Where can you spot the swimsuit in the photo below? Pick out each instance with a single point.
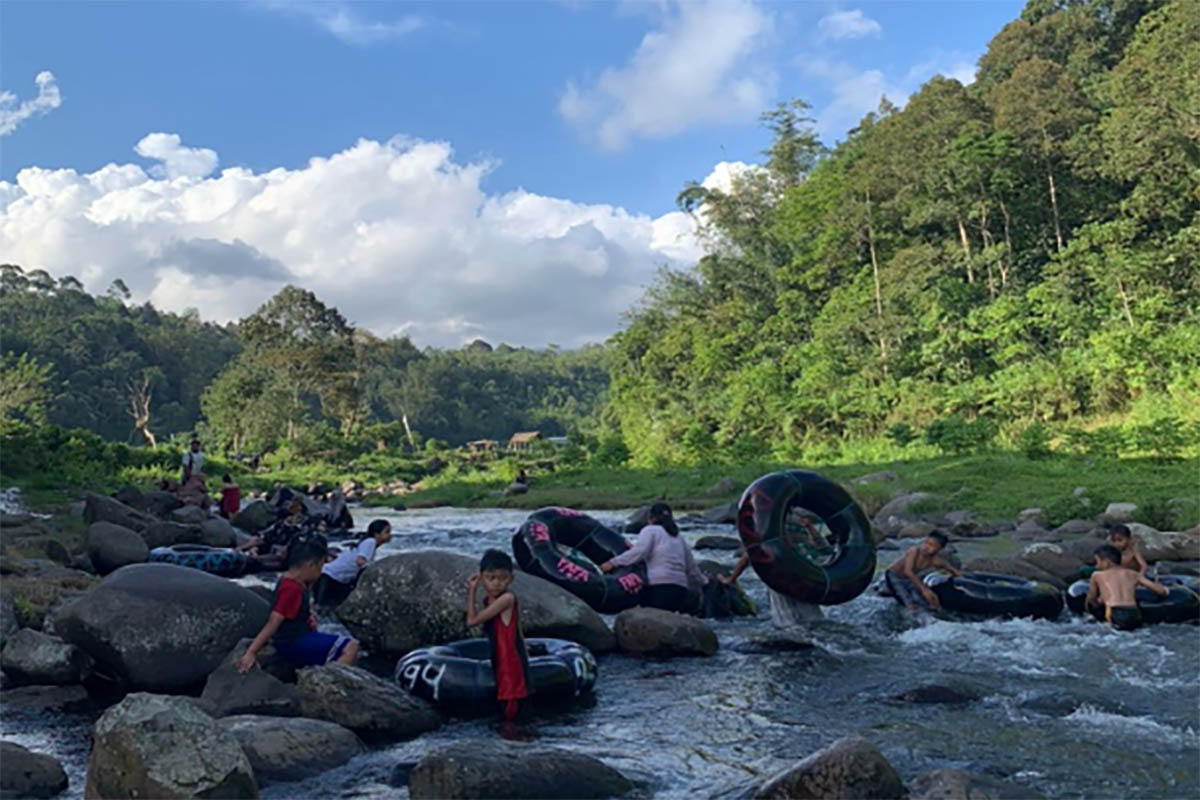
(1123, 618)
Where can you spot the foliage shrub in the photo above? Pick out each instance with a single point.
(1034, 441)
(954, 434)
(1164, 438)
(902, 434)
(611, 451)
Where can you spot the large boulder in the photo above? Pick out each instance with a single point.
(654, 632)
(160, 627)
(850, 767)
(373, 708)
(414, 599)
(228, 692)
(1030, 530)
(38, 593)
(955, 784)
(27, 774)
(292, 749)
(1166, 545)
(1117, 513)
(1013, 566)
(637, 520)
(31, 657)
(724, 514)
(217, 532)
(1058, 561)
(41, 700)
(255, 517)
(1075, 527)
(723, 487)
(166, 534)
(110, 547)
(101, 508)
(503, 770)
(158, 503)
(189, 515)
(165, 747)
(895, 513)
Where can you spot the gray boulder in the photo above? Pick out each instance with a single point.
(1037, 515)
(1075, 527)
(1030, 530)
(724, 514)
(161, 627)
(413, 599)
(654, 632)
(292, 749)
(101, 508)
(917, 529)
(1058, 561)
(189, 515)
(876, 477)
(110, 547)
(165, 747)
(850, 767)
(718, 543)
(40, 700)
(638, 520)
(373, 708)
(255, 517)
(723, 487)
(1013, 566)
(962, 523)
(895, 513)
(503, 770)
(265, 690)
(31, 657)
(1167, 545)
(1117, 513)
(158, 503)
(166, 534)
(27, 774)
(955, 784)
(217, 532)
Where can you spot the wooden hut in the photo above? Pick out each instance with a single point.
(523, 441)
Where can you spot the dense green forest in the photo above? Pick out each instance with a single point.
(1023, 250)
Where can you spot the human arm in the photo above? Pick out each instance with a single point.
(641, 548)
(908, 569)
(1153, 586)
(499, 605)
(1139, 560)
(1093, 595)
(249, 658)
(738, 569)
(942, 564)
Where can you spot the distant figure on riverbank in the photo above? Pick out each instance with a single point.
(786, 612)
(339, 515)
(193, 461)
(501, 621)
(231, 497)
(1120, 537)
(1114, 586)
(670, 567)
(292, 624)
(904, 577)
(521, 477)
(339, 576)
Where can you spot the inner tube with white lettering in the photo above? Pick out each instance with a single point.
(566, 547)
(458, 677)
(985, 594)
(791, 558)
(1182, 603)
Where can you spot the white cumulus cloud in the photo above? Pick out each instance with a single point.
(344, 22)
(698, 67)
(848, 25)
(398, 235)
(12, 113)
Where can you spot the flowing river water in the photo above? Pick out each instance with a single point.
(1066, 708)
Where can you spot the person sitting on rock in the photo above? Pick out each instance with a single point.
(1113, 586)
(670, 567)
(277, 537)
(904, 576)
(338, 514)
(339, 576)
(231, 497)
(786, 611)
(292, 624)
(1120, 537)
(501, 621)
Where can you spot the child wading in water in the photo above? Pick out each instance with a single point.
(1120, 537)
(501, 620)
(292, 626)
(1114, 586)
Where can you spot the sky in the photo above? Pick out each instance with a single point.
(448, 171)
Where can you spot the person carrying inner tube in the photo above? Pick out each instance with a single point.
(670, 567)
(339, 576)
(501, 620)
(1113, 586)
(786, 612)
(904, 577)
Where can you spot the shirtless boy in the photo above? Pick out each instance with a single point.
(1120, 537)
(904, 577)
(1113, 586)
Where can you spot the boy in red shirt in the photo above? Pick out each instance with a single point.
(500, 618)
(292, 626)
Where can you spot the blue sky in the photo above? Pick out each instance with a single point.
(612, 105)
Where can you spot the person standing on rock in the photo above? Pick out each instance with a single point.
(193, 461)
(670, 567)
(501, 620)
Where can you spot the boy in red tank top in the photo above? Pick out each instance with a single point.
(500, 618)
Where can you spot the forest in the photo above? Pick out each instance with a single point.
(1013, 262)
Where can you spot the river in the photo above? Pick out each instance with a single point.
(1067, 708)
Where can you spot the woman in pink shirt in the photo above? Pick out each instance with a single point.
(670, 567)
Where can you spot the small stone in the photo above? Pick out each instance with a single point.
(1036, 515)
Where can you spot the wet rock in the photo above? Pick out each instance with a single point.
(1117, 513)
(1053, 559)
(158, 503)
(653, 632)
(110, 547)
(1075, 527)
(637, 520)
(1030, 530)
(161, 627)
(292, 749)
(895, 513)
(31, 657)
(503, 770)
(770, 645)
(1036, 515)
(1082, 549)
(955, 784)
(82, 563)
(990, 529)
(918, 529)
(38, 592)
(935, 694)
(46, 699)
(876, 477)
(229, 692)
(255, 517)
(101, 508)
(850, 767)
(165, 747)
(167, 534)
(1179, 568)
(717, 543)
(1167, 545)
(1013, 566)
(129, 495)
(8, 619)
(43, 547)
(724, 514)
(375, 709)
(962, 523)
(189, 515)
(217, 532)
(723, 487)
(8, 520)
(27, 774)
(415, 599)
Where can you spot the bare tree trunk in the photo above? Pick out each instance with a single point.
(1058, 237)
(408, 431)
(966, 246)
(1125, 302)
(1007, 241)
(883, 355)
(139, 397)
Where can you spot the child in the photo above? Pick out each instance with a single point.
(501, 620)
(292, 625)
(339, 576)
(1120, 537)
(904, 577)
(1113, 586)
(786, 611)
(231, 497)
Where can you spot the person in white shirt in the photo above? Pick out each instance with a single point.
(193, 461)
(670, 567)
(339, 576)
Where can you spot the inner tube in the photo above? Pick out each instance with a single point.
(459, 676)
(989, 595)
(1182, 603)
(792, 566)
(565, 547)
(216, 560)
